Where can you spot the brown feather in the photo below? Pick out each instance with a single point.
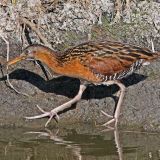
(106, 57)
(92, 61)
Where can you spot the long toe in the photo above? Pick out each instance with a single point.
(109, 122)
(106, 114)
(51, 115)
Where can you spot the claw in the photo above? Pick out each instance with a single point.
(50, 114)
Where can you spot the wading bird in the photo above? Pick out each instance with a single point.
(102, 62)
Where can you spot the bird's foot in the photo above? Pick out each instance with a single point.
(51, 114)
(108, 123)
(54, 112)
(113, 120)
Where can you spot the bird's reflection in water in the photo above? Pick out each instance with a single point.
(76, 147)
(79, 142)
(118, 144)
(76, 150)
(117, 141)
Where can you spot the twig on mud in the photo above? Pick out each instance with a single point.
(7, 75)
(36, 30)
(152, 44)
(44, 69)
(41, 37)
(23, 35)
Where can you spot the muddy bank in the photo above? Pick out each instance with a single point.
(140, 108)
(61, 24)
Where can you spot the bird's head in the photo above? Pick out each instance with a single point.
(29, 52)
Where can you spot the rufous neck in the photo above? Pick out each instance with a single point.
(47, 56)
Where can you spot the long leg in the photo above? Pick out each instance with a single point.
(118, 107)
(54, 112)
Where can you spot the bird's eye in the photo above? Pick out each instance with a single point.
(26, 52)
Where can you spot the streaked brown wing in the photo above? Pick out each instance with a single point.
(108, 58)
(109, 66)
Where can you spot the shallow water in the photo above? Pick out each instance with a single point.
(79, 143)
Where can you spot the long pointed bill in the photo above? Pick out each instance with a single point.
(15, 60)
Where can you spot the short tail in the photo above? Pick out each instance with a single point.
(157, 54)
